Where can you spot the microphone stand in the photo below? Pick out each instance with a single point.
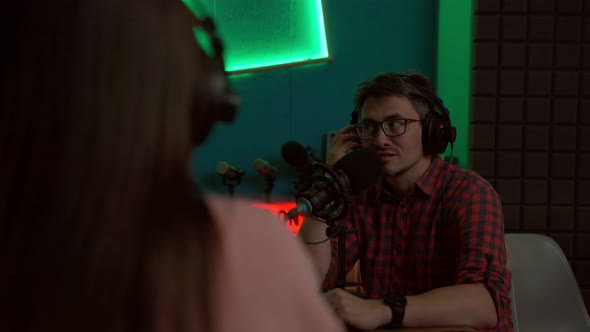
(340, 231)
(326, 177)
(270, 183)
(231, 183)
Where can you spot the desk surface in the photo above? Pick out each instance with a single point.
(430, 329)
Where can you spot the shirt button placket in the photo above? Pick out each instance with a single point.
(399, 231)
(403, 227)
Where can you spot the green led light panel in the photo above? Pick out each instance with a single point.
(453, 83)
(265, 34)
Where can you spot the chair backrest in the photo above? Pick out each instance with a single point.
(513, 308)
(546, 296)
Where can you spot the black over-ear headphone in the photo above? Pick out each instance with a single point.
(437, 130)
(213, 100)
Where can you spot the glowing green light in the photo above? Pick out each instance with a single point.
(322, 36)
(195, 8)
(270, 63)
(265, 34)
(453, 83)
(204, 41)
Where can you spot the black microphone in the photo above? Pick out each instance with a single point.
(228, 171)
(333, 186)
(302, 159)
(264, 168)
(297, 155)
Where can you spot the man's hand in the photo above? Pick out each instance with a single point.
(345, 139)
(364, 314)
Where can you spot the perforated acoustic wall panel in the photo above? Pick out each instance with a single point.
(530, 121)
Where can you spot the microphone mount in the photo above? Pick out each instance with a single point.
(231, 183)
(323, 181)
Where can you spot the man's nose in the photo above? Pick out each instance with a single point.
(380, 138)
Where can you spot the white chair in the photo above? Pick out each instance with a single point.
(545, 294)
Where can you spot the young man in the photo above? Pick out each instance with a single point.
(429, 236)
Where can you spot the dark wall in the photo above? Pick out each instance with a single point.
(530, 126)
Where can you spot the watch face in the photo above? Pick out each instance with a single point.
(397, 302)
(395, 299)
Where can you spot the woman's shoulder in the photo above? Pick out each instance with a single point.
(243, 214)
(264, 269)
(249, 231)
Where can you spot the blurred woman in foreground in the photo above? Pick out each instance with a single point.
(101, 226)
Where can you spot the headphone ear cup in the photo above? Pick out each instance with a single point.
(354, 117)
(213, 99)
(426, 134)
(433, 141)
(438, 137)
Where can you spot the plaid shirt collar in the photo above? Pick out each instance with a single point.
(427, 184)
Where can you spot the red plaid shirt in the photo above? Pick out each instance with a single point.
(436, 235)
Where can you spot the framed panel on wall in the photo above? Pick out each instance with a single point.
(267, 34)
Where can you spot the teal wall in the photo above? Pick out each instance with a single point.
(303, 103)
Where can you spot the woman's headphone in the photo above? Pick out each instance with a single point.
(214, 100)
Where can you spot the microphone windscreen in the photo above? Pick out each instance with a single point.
(263, 167)
(294, 154)
(222, 167)
(362, 167)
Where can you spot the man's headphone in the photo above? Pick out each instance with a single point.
(437, 131)
(213, 100)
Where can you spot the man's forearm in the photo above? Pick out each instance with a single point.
(314, 231)
(458, 305)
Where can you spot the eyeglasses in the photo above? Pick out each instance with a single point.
(391, 128)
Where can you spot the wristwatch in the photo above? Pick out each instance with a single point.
(397, 303)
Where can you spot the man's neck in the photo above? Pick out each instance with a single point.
(402, 182)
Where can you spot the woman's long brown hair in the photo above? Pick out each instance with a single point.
(101, 227)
